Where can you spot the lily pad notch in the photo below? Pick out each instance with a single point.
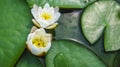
(102, 16)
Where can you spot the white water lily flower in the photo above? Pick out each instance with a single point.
(45, 17)
(39, 42)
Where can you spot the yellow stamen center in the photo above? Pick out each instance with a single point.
(46, 15)
(38, 42)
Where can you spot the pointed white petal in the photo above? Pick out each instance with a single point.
(51, 10)
(40, 10)
(46, 6)
(40, 31)
(56, 9)
(33, 29)
(57, 16)
(49, 36)
(34, 10)
(28, 38)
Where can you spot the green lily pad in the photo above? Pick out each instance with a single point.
(69, 28)
(73, 53)
(28, 60)
(62, 3)
(99, 16)
(15, 23)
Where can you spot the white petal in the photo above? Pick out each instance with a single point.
(57, 16)
(40, 10)
(40, 31)
(56, 9)
(46, 6)
(44, 23)
(51, 10)
(38, 19)
(49, 36)
(33, 29)
(34, 11)
(29, 37)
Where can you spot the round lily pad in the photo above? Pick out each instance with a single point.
(15, 23)
(102, 16)
(65, 53)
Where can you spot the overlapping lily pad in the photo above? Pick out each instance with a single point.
(103, 16)
(71, 54)
(69, 28)
(15, 22)
(62, 3)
